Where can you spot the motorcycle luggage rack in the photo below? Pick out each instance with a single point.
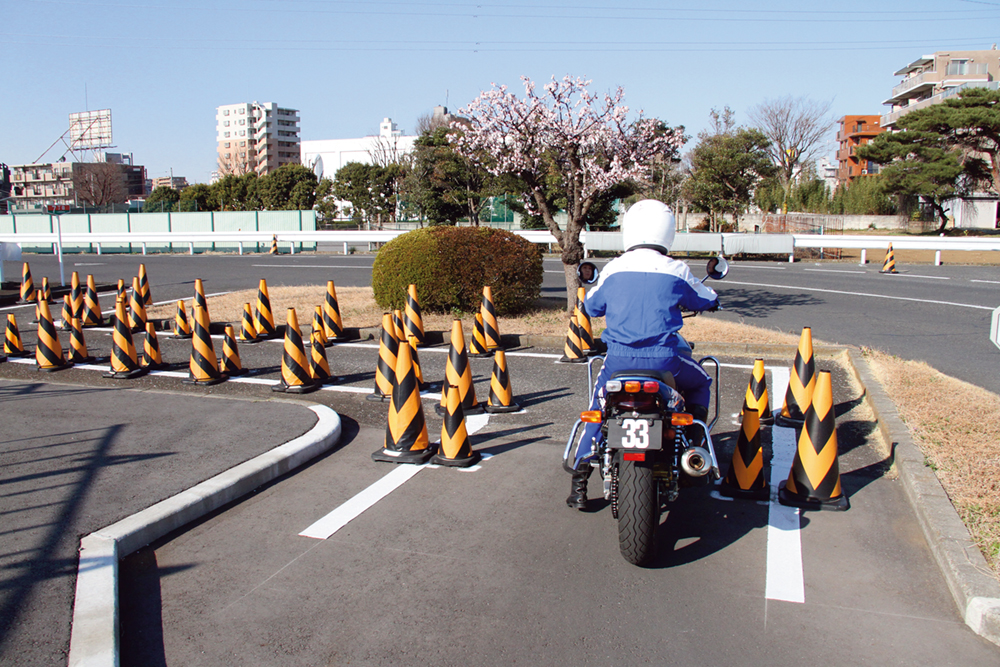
(569, 454)
(590, 375)
(701, 362)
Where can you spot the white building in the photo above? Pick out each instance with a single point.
(256, 136)
(326, 156)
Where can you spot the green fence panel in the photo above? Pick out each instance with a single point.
(236, 221)
(150, 223)
(111, 223)
(192, 222)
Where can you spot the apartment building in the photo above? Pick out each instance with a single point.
(174, 182)
(258, 137)
(855, 131)
(4, 187)
(933, 78)
(50, 185)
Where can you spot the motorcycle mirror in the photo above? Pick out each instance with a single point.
(717, 268)
(587, 273)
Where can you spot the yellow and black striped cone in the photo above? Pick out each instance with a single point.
(230, 363)
(406, 438)
(814, 480)
(248, 332)
(91, 316)
(413, 321)
(199, 296)
(295, 377)
(318, 328)
(124, 363)
(583, 323)
(182, 327)
(573, 348)
(77, 345)
(151, 357)
(27, 284)
(385, 369)
(800, 384)
(745, 478)
(889, 264)
(418, 370)
(67, 313)
(137, 311)
(122, 291)
(501, 397)
(397, 321)
(264, 323)
(319, 367)
(456, 448)
(757, 397)
(274, 245)
(48, 351)
(491, 330)
(46, 290)
(147, 295)
(334, 327)
(458, 372)
(12, 345)
(76, 295)
(203, 367)
(477, 345)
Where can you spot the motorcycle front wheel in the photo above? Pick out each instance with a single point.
(638, 511)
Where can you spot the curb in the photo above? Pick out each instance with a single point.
(94, 633)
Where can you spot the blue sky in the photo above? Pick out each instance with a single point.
(163, 66)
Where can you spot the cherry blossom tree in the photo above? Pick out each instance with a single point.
(563, 138)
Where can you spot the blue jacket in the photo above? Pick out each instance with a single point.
(640, 294)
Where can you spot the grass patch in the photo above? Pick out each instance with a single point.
(957, 427)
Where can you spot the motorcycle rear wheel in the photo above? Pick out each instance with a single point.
(638, 511)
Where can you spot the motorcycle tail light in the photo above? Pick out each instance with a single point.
(634, 456)
(613, 386)
(633, 386)
(681, 419)
(650, 387)
(591, 416)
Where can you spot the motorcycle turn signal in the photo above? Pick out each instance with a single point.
(591, 416)
(681, 419)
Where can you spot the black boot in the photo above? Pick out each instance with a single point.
(578, 487)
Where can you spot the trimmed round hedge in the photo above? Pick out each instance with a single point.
(451, 265)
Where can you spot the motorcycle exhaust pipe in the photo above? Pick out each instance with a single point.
(695, 462)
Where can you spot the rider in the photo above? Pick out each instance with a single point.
(641, 294)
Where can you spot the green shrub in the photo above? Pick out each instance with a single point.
(451, 265)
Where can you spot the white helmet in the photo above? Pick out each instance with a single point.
(650, 224)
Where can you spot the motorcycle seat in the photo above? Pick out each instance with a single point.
(666, 377)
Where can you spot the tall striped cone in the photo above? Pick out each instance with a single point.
(147, 296)
(317, 326)
(413, 321)
(477, 345)
(456, 448)
(583, 323)
(182, 328)
(248, 332)
(77, 345)
(800, 384)
(295, 377)
(151, 357)
(889, 264)
(274, 245)
(501, 397)
(265, 319)
(331, 314)
(48, 351)
(745, 478)
(12, 345)
(319, 367)
(124, 363)
(385, 369)
(92, 316)
(67, 313)
(756, 396)
(199, 295)
(406, 438)
(491, 330)
(573, 348)
(397, 321)
(122, 291)
(230, 363)
(137, 312)
(203, 367)
(458, 372)
(814, 480)
(46, 290)
(76, 295)
(418, 371)
(27, 284)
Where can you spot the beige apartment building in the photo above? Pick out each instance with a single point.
(931, 79)
(257, 137)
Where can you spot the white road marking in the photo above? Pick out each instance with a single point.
(89, 264)
(312, 266)
(874, 296)
(769, 268)
(834, 271)
(992, 282)
(910, 275)
(353, 508)
(785, 580)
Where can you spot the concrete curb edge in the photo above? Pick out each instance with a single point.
(94, 634)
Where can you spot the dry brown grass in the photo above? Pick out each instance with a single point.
(957, 426)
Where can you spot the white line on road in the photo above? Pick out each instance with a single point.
(910, 275)
(874, 296)
(312, 266)
(769, 268)
(89, 264)
(992, 282)
(834, 271)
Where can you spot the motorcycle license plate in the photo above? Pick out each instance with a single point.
(635, 433)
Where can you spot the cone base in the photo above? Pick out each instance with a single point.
(479, 355)
(576, 360)
(492, 409)
(728, 491)
(378, 397)
(477, 410)
(82, 360)
(182, 336)
(890, 271)
(20, 355)
(98, 323)
(125, 375)
(418, 457)
(233, 373)
(270, 336)
(786, 497)
(155, 367)
(788, 422)
(3, 358)
(769, 419)
(296, 388)
(61, 367)
(329, 379)
(248, 341)
(205, 383)
(343, 339)
(141, 329)
(442, 460)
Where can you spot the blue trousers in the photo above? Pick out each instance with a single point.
(691, 379)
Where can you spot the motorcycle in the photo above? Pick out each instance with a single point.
(651, 447)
